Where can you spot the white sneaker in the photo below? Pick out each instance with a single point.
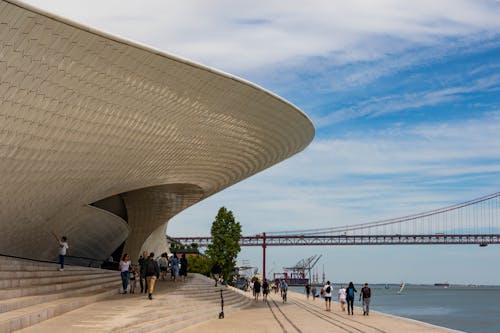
(61, 269)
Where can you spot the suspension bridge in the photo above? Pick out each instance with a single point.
(474, 222)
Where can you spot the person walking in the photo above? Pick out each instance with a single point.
(284, 290)
(342, 297)
(313, 291)
(63, 249)
(152, 273)
(174, 261)
(133, 279)
(183, 272)
(328, 296)
(142, 272)
(163, 266)
(256, 289)
(265, 290)
(125, 271)
(308, 290)
(139, 271)
(350, 293)
(366, 294)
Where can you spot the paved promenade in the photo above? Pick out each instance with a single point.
(196, 300)
(300, 315)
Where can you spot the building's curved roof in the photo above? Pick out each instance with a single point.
(90, 118)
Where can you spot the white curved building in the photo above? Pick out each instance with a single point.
(104, 140)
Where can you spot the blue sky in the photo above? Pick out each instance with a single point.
(405, 98)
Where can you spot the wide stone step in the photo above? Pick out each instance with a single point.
(21, 302)
(44, 267)
(174, 301)
(181, 324)
(204, 293)
(135, 313)
(193, 319)
(168, 319)
(8, 263)
(16, 274)
(53, 287)
(51, 279)
(28, 316)
(228, 300)
(163, 313)
(31, 291)
(185, 305)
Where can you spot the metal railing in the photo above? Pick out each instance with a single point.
(72, 261)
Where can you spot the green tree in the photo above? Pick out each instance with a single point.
(199, 264)
(225, 246)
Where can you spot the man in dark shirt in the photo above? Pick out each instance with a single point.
(152, 273)
(365, 293)
(142, 272)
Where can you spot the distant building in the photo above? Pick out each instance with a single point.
(180, 249)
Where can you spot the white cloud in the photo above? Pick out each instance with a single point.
(243, 35)
(367, 177)
(378, 106)
(427, 151)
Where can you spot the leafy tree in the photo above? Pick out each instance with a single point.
(199, 264)
(225, 246)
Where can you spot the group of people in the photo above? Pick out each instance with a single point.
(176, 266)
(146, 272)
(311, 289)
(149, 270)
(265, 287)
(256, 286)
(347, 295)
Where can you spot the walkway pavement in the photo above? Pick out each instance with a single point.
(107, 315)
(300, 315)
(297, 315)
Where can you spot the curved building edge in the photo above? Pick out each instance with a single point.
(91, 122)
(151, 49)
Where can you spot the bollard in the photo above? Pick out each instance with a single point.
(221, 314)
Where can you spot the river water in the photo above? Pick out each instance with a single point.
(469, 309)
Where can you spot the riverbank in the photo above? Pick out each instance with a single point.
(301, 315)
(471, 309)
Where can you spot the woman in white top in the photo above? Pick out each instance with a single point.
(342, 297)
(328, 296)
(125, 271)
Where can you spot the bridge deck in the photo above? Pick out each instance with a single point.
(301, 240)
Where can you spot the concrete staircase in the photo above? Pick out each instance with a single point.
(31, 292)
(185, 304)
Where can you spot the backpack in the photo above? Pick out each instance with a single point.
(328, 289)
(150, 268)
(350, 293)
(163, 262)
